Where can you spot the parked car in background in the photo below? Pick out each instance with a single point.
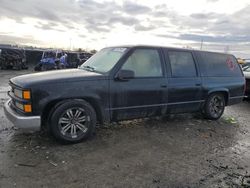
(1, 59)
(241, 61)
(72, 59)
(247, 60)
(51, 60)
(13, 58)
(245, 66)
(120, 83)
(58, 59)
(82, 57)
(76, 59)
(246, 72)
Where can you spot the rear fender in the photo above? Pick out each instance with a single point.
(225, 91)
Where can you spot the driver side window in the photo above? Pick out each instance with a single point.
(144, 63)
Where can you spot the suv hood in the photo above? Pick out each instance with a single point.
(57, 76)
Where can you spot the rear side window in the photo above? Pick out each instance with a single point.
(215, 64)
(182, 64)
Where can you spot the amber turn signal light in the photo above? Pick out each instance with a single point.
(26, 94)
(27, 108)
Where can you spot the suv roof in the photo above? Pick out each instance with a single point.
(156, 46)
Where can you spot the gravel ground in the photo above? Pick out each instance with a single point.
(175, 151)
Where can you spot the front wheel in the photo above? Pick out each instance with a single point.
(214, 106)
(73, 121)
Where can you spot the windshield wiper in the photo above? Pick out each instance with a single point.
(89, 68)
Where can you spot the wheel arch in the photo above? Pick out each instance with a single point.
(224, 91)
(52, 105)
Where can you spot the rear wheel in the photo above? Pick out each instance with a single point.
(214, 106)
(73, 121)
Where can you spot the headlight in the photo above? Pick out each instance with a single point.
(22, 94)
(19, 105)
(18, 93)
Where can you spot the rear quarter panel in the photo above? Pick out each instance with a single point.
(233, 84)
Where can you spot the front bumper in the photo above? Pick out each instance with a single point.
(31, 123)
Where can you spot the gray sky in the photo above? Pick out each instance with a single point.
(221, 24)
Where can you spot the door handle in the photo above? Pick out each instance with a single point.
(163, 86)
(198, 84)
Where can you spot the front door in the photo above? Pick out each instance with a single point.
(146, 93)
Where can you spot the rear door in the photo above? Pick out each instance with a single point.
(184, 82)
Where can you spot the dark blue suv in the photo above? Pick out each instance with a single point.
(126, 82)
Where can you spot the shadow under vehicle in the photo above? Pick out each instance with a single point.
(13, 58)
(121, 83)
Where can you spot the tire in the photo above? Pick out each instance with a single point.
(72, 121)
(214, 106)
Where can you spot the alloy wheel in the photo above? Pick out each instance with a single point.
(73, 123)
(216, 106)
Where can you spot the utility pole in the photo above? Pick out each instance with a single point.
(201, 43)
(226, 49)
(70, 43)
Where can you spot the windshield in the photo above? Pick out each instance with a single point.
(104, 60)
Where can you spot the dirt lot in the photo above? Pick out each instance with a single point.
(175, 151)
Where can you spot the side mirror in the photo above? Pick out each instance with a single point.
(125, 75)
